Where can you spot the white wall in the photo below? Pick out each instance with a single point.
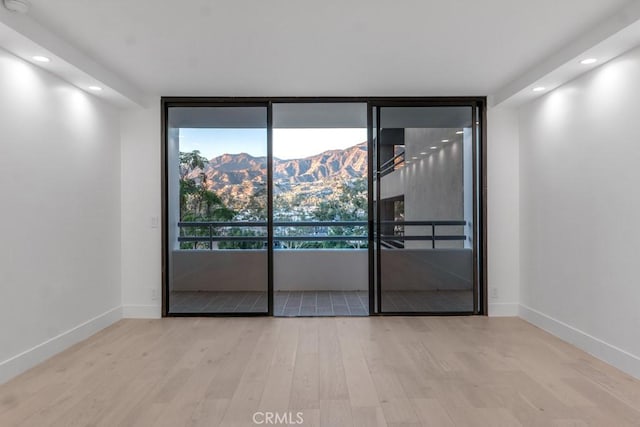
(503, 229)
(579, 199)
(294, 270)
(141, 206)
(306, 270)
(433, 184)
(60, 216)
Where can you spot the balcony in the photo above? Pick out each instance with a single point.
(319, 268)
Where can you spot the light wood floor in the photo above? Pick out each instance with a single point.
(394, 371)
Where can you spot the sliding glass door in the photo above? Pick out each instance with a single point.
(217, 206)
(425, 208)
(323, 207)
(320, 163)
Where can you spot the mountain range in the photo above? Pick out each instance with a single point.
(238, 177)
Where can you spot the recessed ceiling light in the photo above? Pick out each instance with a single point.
(423, 153)
(414, 158)
(538, 89)
(445, 140)
(95, 88)
(40, 58)
(460, 132)
(434, 148)
(19, 6)
(588, 61)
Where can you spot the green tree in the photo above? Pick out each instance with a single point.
(190, 161)
(197, 202)
(349, 203)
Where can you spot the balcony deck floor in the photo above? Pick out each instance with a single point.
(319, 303)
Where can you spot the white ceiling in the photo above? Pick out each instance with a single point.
(327, 47)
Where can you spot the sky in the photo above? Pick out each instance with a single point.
(287, 143)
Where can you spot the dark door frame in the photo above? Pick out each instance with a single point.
(480, 276)
(478, 118)
(166, 104)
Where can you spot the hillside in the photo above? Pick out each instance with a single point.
(237, 178)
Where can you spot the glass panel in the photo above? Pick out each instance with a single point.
(217, 210)
(426, 209)
(320, 164)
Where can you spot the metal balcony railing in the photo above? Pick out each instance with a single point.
(396, 240)
(391, 164)
(217, 231)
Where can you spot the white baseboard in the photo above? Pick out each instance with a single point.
(27, 359)
(141, 311)
(609, 353)
(503, 309)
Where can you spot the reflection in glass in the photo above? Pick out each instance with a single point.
(426, 210)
